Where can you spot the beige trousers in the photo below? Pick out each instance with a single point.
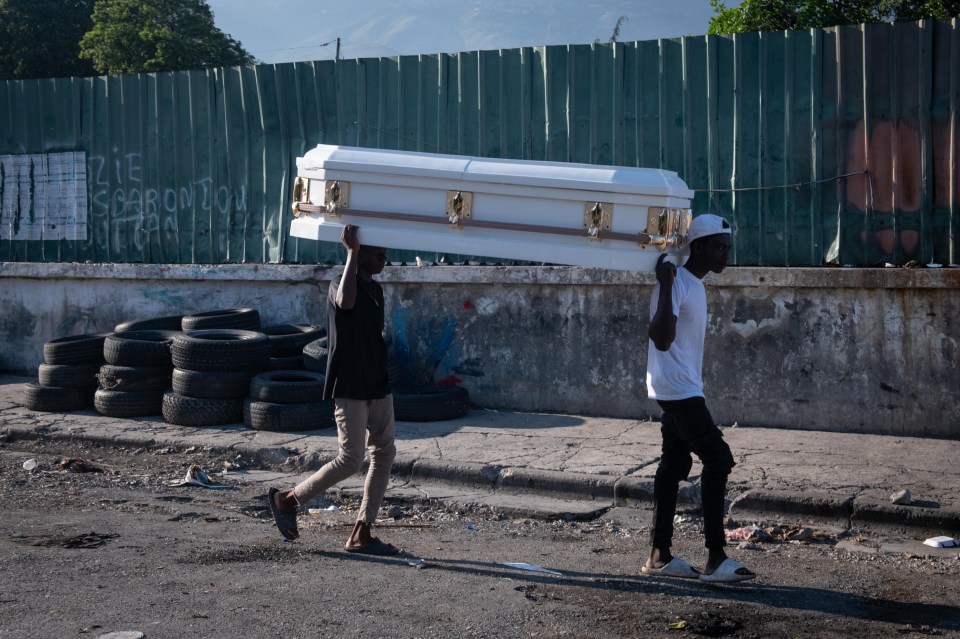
(360, 423)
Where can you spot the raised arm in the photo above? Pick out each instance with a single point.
(663, 326)
(347, 292)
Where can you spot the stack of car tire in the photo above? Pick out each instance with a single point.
(214, 359)
(137, 372)
(67, 378)
(288, 401)
(287, 342)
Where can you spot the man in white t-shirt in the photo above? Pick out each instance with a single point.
(678, 323)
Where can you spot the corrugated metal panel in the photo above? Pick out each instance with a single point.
(838, 145)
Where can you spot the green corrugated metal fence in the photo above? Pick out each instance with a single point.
(824, 146)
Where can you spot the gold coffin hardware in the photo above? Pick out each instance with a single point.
(667, 228)
(459, 207)
(301, 194)
(597, 216)
(336, 195)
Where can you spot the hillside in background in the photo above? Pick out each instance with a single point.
(289, 30)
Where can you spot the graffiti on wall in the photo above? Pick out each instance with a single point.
(120, 195)
(43, 196)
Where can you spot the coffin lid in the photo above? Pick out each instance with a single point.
(591, 177)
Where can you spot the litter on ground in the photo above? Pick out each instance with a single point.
(196, 477)
(941, 542)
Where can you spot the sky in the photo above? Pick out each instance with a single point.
(297, 30)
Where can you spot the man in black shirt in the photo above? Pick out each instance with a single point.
(358, 382)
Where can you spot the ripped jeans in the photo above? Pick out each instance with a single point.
(687, 427)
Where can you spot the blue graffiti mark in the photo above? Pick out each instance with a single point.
(401, 347)
(439, 335)
(446, 339)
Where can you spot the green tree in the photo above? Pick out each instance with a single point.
(41, 38)
(137, 36)
(779, 15)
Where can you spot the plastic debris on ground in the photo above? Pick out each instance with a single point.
(30, 464)
(532, 568)
(745, 533)
(755, 533)
(196, 477)
(329, 509)
(417, 563)
(901, 497)
(941, 542)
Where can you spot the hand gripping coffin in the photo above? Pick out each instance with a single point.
(553, 212)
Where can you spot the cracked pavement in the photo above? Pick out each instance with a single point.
(582, 463)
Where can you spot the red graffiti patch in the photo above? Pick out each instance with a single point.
(468, 305)
(450, 380)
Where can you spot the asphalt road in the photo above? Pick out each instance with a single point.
(87, 554)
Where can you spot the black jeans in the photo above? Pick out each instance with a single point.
(688, 427)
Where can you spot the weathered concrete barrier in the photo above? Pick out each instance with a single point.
(858, 350)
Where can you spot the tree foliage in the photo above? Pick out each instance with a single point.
(41, 38)
(779, 15)
(134, 36)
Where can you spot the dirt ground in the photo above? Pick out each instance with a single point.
(103, 544)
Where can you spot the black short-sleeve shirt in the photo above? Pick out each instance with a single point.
(357, 359)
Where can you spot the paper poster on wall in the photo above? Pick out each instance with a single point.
(43, 196)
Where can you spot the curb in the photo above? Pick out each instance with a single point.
(849, 510)
(628, 491)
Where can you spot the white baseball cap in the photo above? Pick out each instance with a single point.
(707, 224)
(702, 226)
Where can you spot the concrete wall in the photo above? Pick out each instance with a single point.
(859, 350)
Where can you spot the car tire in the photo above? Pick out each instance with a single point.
(220, 350)
(139, 348)
(212, 384)
(195, 411)
(287, 387)
(68, 375)
(244, 319)
(430, 403)
(75, 349)
(167, 323)
(112, 403)
(289, 339)
(55, 399)
(288, 418)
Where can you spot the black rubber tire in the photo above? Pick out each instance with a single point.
(220, 350)
(134, 378)
(289, 339)
(288, 418)
(114, 403)
(196, 411)
(168, 323)
(68, 375)
(75, 349)
(211, 384)
(315, 356)
(287, 363)
(430, 403)
(54, 399)
(287, 387)
(244, 319)
(139, 348)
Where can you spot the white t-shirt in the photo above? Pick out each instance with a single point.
(677, 373)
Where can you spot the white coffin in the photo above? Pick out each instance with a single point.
(555, 212)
